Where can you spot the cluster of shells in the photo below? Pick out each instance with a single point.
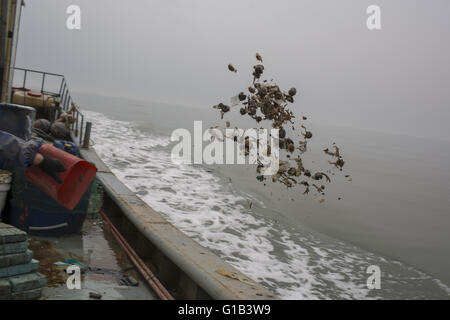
(266, 101)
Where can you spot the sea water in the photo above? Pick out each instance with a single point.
(394, 214)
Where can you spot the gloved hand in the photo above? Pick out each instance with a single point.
(52, 167)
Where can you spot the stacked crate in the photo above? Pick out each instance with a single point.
(19, 278)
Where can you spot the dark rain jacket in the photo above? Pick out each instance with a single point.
(15, 149)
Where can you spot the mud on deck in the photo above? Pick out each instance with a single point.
(96, 248)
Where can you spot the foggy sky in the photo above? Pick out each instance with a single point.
(396, 79)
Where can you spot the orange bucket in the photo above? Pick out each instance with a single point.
(75, 180)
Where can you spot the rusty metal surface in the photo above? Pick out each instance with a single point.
(215, 276)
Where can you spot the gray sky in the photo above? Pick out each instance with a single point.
(396, 79)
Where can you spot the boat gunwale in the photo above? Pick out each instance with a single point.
(196, 261)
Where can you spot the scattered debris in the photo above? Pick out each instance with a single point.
(46, 252)
(258, 57)
(95, 295)
(266, 101)
(227, 274)
(121, 278)
(130, 281)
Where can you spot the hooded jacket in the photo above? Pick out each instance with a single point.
(15, 149)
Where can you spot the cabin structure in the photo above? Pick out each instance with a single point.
(10, 11)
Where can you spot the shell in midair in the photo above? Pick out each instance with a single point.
(231, 68)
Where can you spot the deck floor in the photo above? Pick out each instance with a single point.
(95, 247)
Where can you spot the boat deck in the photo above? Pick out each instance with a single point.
(96, 248)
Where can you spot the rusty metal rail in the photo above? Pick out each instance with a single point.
(152, 280)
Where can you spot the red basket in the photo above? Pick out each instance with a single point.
(75, 180)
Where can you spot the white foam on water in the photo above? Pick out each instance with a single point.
(293, 264)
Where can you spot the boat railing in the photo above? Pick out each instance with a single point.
(60, 93)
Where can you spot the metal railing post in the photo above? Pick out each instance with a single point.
(43, 80)
(24, 78)
(81, 129)
(87, 135)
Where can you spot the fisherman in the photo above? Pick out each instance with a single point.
(26, 153)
